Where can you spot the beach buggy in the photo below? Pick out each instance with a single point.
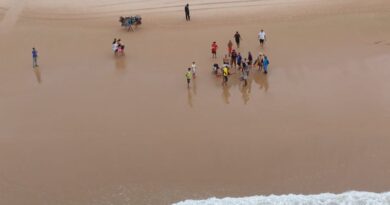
(130, 21)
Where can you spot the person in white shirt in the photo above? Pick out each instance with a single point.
(262, 37)
(193, 69)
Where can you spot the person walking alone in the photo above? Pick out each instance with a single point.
(237, 38)
(35, 57)
(262, 37)
(187, 12)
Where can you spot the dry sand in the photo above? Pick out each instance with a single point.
(87, 127)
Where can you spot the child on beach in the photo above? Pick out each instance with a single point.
(35, 57)
(214, 48)
(188, 77)
(193, 69)
(121, 49)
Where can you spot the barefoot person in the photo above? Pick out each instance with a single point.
(115, 46)
(188, 76)
(226, 60)
(262, 37)
(250, 59)
(214, 48)
(193, 69)
(259, 62)
(237, 38)
(187, 12)
(230, 47)
(245, 72)
(265, 64)
(239, 60)
(35, 57)
(233, 59)
(225, 71)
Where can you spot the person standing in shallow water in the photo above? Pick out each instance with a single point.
(35, 57)
(188, 76)
(187, 12)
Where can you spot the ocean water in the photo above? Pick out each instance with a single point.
(347, 198)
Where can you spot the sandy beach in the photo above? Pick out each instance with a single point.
(88, 127)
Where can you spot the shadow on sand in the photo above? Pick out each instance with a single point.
(37, 73)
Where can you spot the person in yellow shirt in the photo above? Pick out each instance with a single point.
(225, 71)
(188, 76)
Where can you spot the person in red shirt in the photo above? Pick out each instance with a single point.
(214, 48)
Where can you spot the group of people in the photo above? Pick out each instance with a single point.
(234, 59)
(118, 47)
(191, 73)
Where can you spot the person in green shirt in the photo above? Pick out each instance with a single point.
(188, 76)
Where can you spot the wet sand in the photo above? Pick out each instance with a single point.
(87, 127)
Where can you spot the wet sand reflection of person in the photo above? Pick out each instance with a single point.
(194, 86)
(262, 80)
(245, 93)
(189, 96)
(120, 63)
(226, 93)
(37, 73)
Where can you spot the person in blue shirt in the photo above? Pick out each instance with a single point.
(35, 57)
(265, 64)
(239, 60)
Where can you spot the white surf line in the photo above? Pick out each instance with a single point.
(11, 16)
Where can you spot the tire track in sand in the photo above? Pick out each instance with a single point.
(12, 14)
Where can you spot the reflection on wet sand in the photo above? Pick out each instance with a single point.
(194, 86)
(120, 62)
(190, 91)
(37, 73)
(226, 93)
(189, 97)
(234, 80)
(262, 80)
(245, 93)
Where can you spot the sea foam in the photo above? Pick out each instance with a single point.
(347, 198)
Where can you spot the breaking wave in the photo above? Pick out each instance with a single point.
(347, 198)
